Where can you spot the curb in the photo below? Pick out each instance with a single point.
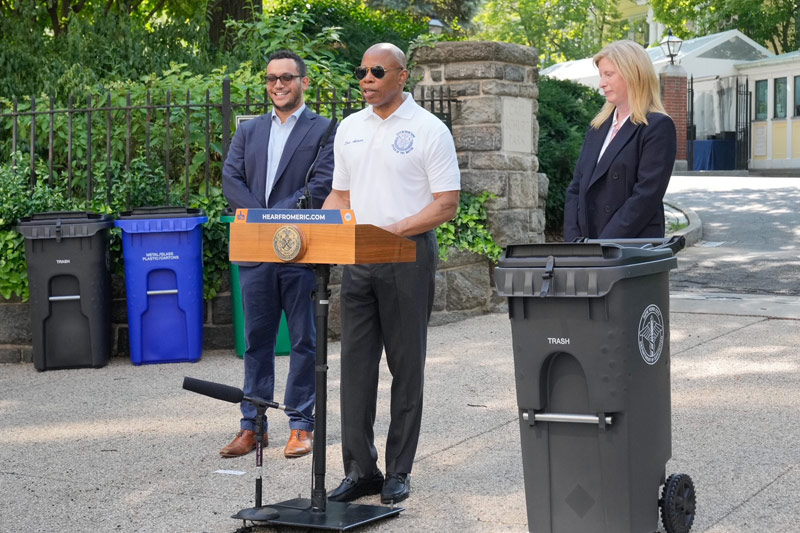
(694, 231)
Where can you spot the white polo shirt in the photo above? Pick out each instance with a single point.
(392, 167)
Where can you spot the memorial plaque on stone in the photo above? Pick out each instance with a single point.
(517, 125)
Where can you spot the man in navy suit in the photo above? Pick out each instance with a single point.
(266, 167)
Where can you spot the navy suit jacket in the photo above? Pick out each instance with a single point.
(621, 195)
(244, 175)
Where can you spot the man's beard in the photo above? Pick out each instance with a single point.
(294, 103)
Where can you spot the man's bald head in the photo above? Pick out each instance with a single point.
(395, 52)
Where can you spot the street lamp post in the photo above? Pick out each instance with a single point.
(671, 45)
(435, 26)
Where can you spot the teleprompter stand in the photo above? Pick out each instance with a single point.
(319, 238)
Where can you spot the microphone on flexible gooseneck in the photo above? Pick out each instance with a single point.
(304, 202)
(226, 393)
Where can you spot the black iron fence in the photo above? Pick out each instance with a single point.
(743, 102)
(79, 143)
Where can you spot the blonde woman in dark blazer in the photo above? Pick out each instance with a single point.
(627, 157)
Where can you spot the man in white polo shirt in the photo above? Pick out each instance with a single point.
(396, 167)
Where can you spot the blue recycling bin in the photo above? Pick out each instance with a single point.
(163, 251)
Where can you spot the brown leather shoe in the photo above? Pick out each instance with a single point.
(299, 444)
(242, 444)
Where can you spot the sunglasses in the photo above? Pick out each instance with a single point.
(378, 71)
(285, 78)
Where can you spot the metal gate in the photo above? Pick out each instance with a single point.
(743, 100)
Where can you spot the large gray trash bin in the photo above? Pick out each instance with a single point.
(70, 288)
(590, 329)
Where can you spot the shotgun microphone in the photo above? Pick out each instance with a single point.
(226, 393)
(304, 202)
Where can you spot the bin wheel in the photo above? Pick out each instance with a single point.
(678, 504)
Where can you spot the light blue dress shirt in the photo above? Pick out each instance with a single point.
(278, 135)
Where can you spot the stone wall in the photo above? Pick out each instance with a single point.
(495, 128)
(496, 136)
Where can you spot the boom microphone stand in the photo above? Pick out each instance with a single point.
(234, 395)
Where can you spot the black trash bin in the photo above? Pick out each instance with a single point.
(590, 330)
(70, 288)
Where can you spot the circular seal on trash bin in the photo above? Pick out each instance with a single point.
(288, 243)
(651, 334)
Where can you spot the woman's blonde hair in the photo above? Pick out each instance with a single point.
(635, 67)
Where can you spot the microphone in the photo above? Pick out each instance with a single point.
(305, 199)
(226, 393)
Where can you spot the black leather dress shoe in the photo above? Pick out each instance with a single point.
(350, 489)
(396, 488)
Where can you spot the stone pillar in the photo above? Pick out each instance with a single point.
(495, 128)
(674, 93)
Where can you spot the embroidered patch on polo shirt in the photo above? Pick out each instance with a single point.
(403, 142)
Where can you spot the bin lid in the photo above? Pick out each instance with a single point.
(579, 255)
(162, 211)
(227, 215)
(63, 224)
(160, 219)
(575, 269)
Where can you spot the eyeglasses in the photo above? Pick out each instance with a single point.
(285, 78)
(377, 71)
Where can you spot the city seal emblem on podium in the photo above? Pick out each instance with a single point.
(289, 243)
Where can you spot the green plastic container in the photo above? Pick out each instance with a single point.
(283, 344)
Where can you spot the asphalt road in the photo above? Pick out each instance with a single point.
(751, 234)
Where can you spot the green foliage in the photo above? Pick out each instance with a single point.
(359, 26)
(772, 23)
(17, 200)
(292, 30)
(560, 30)
(215, 240)
(565, 110)
(469, 230)
(13, 271)
(97, 49)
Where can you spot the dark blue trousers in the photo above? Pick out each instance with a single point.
(268, 289)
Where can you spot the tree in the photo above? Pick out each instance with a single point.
(57, 15)
(220, 11)
(449, 11)
(560, 29)
(773, 23)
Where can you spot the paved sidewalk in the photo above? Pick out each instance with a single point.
(125, 449)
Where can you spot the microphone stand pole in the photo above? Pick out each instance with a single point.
(318, 512)
(258, 513)
(322, 296)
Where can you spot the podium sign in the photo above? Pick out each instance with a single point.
(313, 236)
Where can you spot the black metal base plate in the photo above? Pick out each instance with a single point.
(337, 516)
(257, 514)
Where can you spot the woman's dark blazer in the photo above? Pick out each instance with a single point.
(621, 196)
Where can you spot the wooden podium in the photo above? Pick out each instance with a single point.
(320, 238)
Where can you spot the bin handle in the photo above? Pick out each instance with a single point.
(547, 276)
(569, 418)
(162, 291)
(64, 298)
